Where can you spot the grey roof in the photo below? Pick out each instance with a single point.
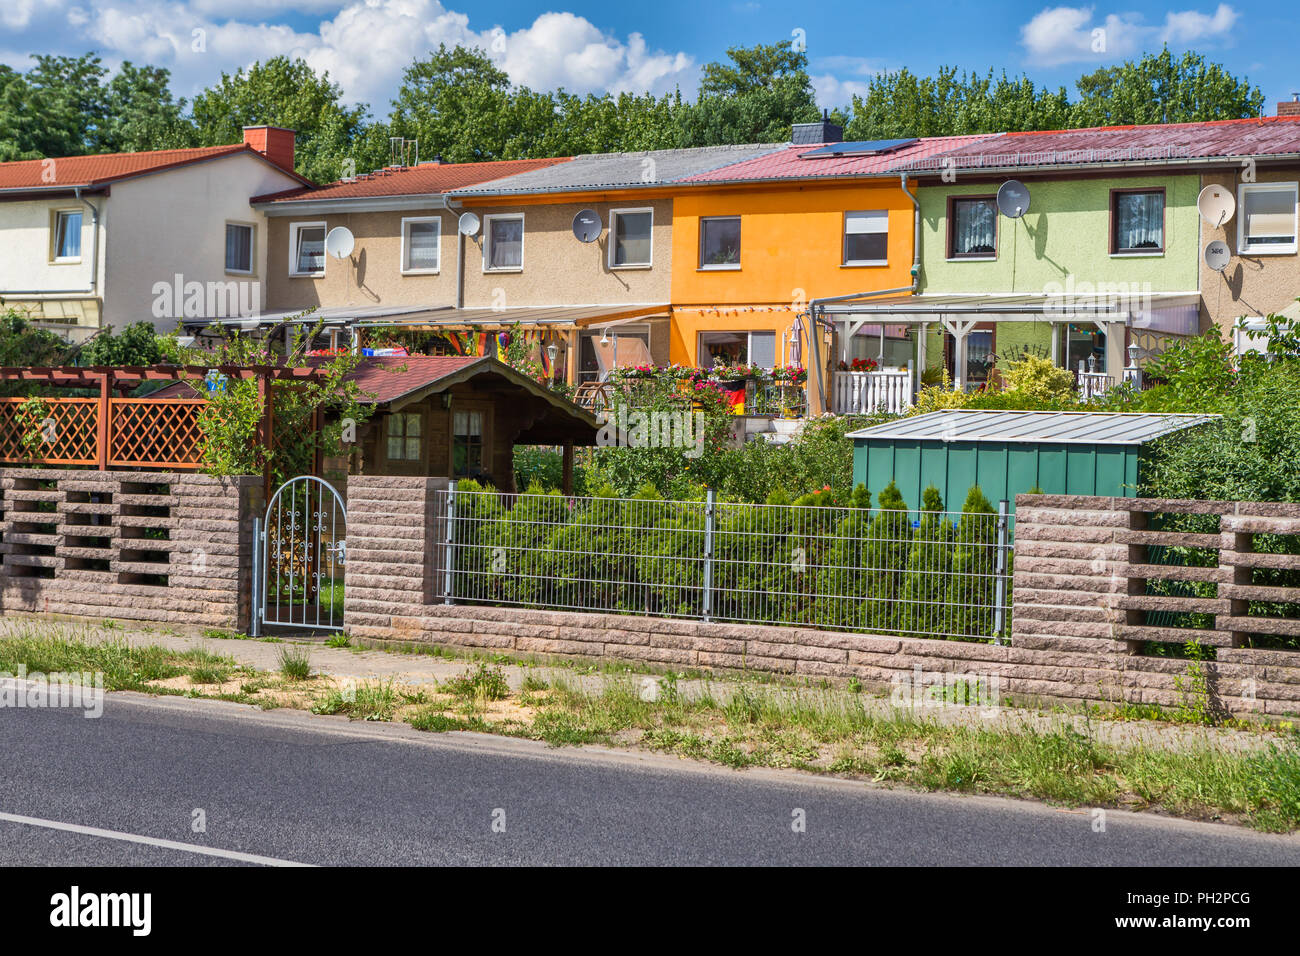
(1084, 428)
(620, 170)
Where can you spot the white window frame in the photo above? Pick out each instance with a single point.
(777, 344)
(294, 229)
(54, 239)
(487, 241)
(406, 269)
(844, 238)
(635, 210)
(719, 267)
(1244, 246)
(252, 248)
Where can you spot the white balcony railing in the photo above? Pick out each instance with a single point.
(865, 393)
(1093, 385)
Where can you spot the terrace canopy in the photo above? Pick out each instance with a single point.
(1113, 310)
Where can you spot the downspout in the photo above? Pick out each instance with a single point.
(453, 205)
(816, 313)
(94, 238)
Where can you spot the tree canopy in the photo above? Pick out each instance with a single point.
(461, 106)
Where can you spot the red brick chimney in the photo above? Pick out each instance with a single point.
(1291, 108)
(273, 142)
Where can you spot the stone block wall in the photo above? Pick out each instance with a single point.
(1072, 609)
(143, 546)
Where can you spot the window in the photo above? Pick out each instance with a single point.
(420, 239)
(467, 443)
(404, 436)
(239, 248)
(67, 236)
(1137, 219)
(1266, 220)
(504, 249)
(630, 230)
(866, 238)
(737, 348)
(307, 249)
(972, 228)
(720, 243)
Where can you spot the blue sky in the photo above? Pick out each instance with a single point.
(588, 46)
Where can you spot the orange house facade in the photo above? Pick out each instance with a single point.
(791, 243)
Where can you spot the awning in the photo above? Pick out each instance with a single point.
(1173, 312)
(451, 320)
(444, 318)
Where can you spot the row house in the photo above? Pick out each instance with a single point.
(88, 242)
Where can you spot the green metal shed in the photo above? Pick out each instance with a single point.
(1009, 452)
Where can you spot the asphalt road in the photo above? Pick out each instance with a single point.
(287, 786)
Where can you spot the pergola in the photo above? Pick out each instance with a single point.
(107, 432)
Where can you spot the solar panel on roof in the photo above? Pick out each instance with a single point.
(867, 147)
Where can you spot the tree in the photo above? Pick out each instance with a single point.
(288, 93)
(141, 114)
(22, 343)
(1161, 89)
(456, 103)
(902, 104)
(137, 344)
(754, 98)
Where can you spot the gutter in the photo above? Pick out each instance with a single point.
(1191, 162)
(300, 207)
(817, 307)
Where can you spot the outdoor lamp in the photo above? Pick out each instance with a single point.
(446, 400)
(551, 351)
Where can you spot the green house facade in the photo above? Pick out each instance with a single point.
(1010, 453)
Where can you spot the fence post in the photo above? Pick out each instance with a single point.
(709, 502)
(255, 591)
(1000, 576)
(448, 553)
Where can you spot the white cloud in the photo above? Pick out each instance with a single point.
(1071, 34)
(366, 44)
(1192, 27)
(831, 91)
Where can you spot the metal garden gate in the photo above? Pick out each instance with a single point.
(299, 553)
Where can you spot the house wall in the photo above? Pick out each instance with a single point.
(26, 263)
(560, 270)
(1252, 285)
(173, 223)
(374, 274)
(791, 251)
(1065, 234)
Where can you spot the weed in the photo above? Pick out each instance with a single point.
(295, 662)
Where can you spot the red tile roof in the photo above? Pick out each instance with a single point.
(103, 168)
(426, 178)
(385, 378)
(1258, 136)
(790, 164)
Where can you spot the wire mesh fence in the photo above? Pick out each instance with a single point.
(927, 574)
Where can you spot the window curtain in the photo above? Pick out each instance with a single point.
(239, 248)
(507, 244)
(976, 225)
(1140, 221)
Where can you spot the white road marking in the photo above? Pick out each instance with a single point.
(148, 841)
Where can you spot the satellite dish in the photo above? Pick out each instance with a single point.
(1216, 205)
(1217, 255)
(1013, 199)
(587, 225)
(340, 242)
(468, 224)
